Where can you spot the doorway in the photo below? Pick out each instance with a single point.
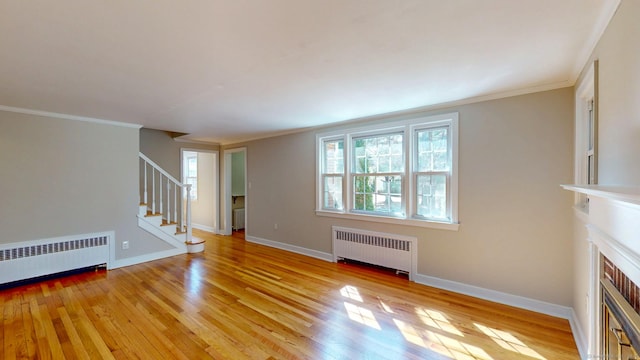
(235, 190)
(200, 169)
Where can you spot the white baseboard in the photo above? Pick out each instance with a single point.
(497, 296)
(204, 228)
(292, 248)
(145, 258)
(579, 336)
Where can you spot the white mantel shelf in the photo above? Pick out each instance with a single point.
(629, 194)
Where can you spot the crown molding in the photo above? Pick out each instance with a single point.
(67, 117)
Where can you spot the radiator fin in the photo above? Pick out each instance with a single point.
(51, 248)
(372, 240)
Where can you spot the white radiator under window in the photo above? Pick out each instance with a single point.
(30, 259)
(389, 250)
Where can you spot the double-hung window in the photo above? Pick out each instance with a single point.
(377, 174)
(191, 175)
(432, 171)
(586, 141)
(332, 174)
(404, 172)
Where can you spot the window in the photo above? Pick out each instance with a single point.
(378, 168)
(586, 142)
(191, 173)
(405, 173)
(432, 170)
(590, 152)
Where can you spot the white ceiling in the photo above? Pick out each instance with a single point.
(228, 70)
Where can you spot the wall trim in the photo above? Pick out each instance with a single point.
(579, 337)
(134, 260)
(204, 228)
(292, 248)
(521, 302)
(68, 117)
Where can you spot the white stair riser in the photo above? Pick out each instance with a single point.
(169, 229)
(155, 220)
(157, 230)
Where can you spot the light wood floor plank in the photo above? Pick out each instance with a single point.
(239, 300)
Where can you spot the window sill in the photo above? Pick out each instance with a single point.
(389, 220)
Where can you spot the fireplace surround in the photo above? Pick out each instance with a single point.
(620, 319)
(612, 220)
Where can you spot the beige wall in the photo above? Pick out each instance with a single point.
(165, 151)
(515, 232)
(237, 173)
(203, 210)
(62, 177)
(618, 52)
(619, 115)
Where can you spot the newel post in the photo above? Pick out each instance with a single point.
(188, 215)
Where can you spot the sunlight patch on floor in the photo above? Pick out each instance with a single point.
(362, 315)
(351, 292)
(437, 320)
(508, 341)
(441, 344)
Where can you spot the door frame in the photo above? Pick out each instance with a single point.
(216, 182)
(227, 201)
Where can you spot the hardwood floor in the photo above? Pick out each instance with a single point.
(239, 300)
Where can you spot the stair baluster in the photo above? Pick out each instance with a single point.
(180, 212)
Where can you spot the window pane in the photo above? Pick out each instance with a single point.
(378, 154)
(432, 196)
(333, 157)
(332, 192)
(433, 150)
(192, 167)
(378, 194)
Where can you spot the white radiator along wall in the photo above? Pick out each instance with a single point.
(238, 219)
(388, 250)
(31, 259)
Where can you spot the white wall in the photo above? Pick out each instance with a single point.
(515, 232)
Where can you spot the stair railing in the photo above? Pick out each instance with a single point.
(169, 197)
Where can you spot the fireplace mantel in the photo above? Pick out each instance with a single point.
(629, 194)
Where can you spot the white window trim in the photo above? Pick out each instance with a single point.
(584, 92)
(408, 127)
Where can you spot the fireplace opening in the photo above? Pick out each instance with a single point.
(620, 314)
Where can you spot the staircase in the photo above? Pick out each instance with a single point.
(165, 206)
